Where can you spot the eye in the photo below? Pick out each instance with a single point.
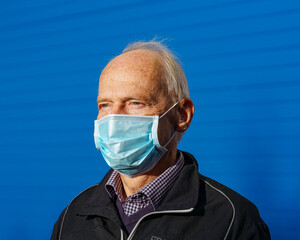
(136, 104)
(103, 106)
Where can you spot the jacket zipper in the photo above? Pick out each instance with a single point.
(152, 213)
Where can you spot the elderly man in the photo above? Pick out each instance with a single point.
(153, 191)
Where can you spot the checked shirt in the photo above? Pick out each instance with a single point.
(153, 193)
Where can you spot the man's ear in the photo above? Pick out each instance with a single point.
(186, 112)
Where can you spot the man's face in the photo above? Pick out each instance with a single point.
(133, 83)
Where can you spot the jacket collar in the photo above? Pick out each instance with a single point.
(185, 192)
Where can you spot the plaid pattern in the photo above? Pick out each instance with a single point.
(153, 193)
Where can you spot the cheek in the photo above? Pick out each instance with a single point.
(167, 127)
(165, 131)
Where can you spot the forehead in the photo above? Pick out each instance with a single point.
(138, 70)
(143, 62)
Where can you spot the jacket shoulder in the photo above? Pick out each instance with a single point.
(79, 204)
(246, 222)
(218, 190)
(73, 205)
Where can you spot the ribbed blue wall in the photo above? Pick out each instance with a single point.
(242, 62)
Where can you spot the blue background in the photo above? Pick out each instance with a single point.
(242, 62)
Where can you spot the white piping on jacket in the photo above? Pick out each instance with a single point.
(233, 209)
(63, 219)
(153, 213)
(122, 234)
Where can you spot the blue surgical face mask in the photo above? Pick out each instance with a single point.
(129, 143)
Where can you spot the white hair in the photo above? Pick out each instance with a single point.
(174, 75)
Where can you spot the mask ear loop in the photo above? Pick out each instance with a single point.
(175, 130)
(170, 139)
(169, 109)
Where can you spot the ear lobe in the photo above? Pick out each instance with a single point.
(186, 111)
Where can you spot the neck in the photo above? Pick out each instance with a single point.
(132, 185)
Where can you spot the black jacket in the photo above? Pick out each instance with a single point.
(196, 207)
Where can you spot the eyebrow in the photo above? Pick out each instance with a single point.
(100, 99)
